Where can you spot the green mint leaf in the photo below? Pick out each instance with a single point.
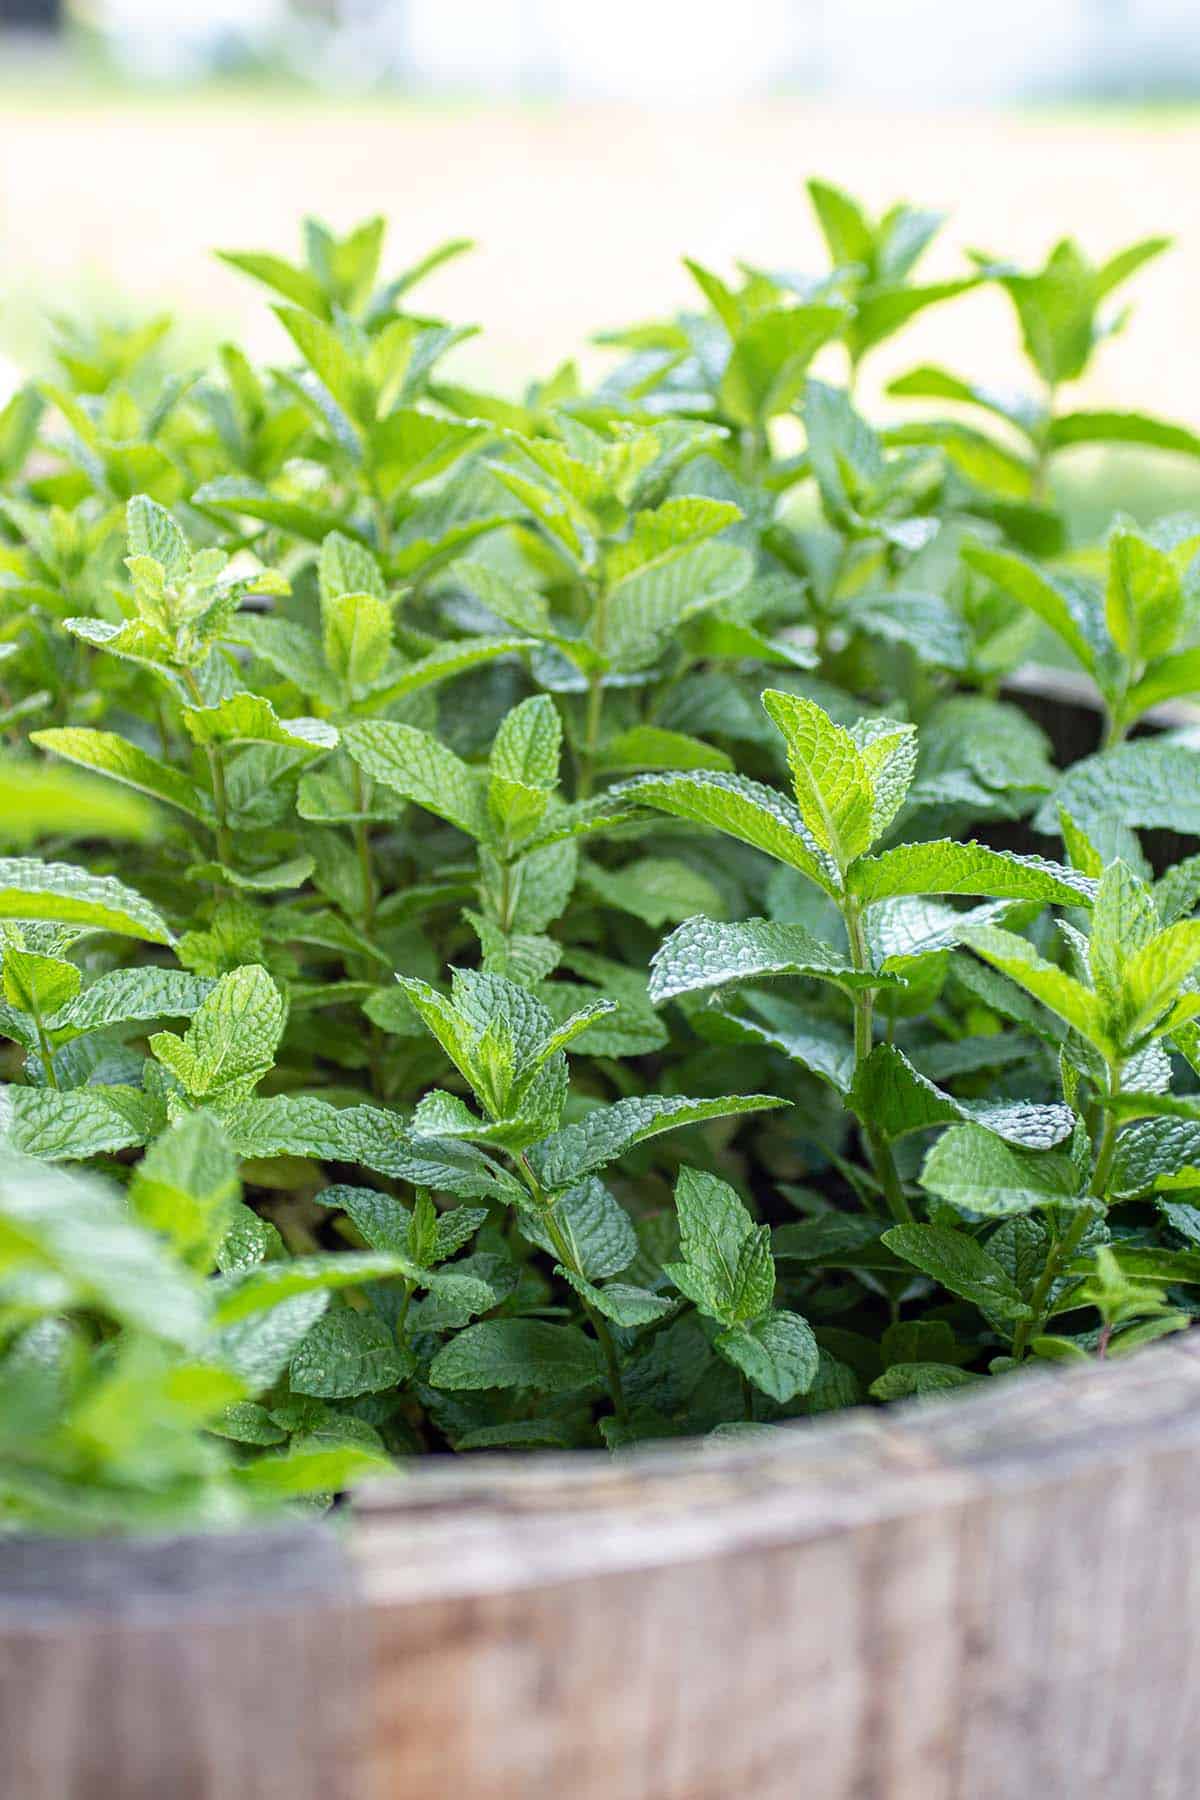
(34, 890)
(897, 1099)
(186, 1187)
(946, 867)
(960, 1264)
(231, 1042)
(978, 1172)
(607, 1133)
(345, 1354)
(109, 754)
(518, 1353)
(744, 809)
(707, 953)
(777, 1352)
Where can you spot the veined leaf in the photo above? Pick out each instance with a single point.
(35, 890)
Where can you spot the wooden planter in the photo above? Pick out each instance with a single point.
(990, 1596)
(987, 1597)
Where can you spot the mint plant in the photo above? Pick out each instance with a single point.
(538, 923)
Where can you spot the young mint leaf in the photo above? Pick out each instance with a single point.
(707, 953)
(35, 890)
(957, 1262)
(776, 1351)
(575, 1150)
(978, 1172)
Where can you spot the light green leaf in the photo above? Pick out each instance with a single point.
(606, 1134)
(709, 953)
(33, 890)
(518, 1353)
(896, 1098)
(347, 1353)
(979, 1173)
(745, 809)
(947, 867)
(186, 1187)
(1016, 957)
(1066, 604)
(250, 719)
(115, 756)
(830, 778)
(777, 1352)
(957, 1262)
(417, 765)
(231, 1042)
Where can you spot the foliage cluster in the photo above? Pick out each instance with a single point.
(511, 928)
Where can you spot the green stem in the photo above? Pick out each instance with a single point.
(568, 1259)
(402, 1317)
(1039, 487)
(362, 841)
(1115, 731)
(216, 772)
(1060, 1253)
(595, 699)
(1063, 1248)
(864, 1039)
(46, 1053)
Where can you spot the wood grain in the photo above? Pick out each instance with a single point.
(980, 1599)
(214, 1668)
(992, 1597)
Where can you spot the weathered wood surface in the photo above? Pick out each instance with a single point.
(986, 1598)
(215, 1668)
(991, 1597)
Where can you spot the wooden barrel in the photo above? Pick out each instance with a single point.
(985, 1597)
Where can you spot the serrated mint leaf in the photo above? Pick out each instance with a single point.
(267, 1285)
(777, 1352)
(518, 1353)
(1015, 957)
(830, 778)
(303, 1125)
(1067, 604)
(69, 1232)
(744, 809)
(35, 890)
(130, 996)
(347, 1353)
(980, 1173)
(1157, 1154)
(413, 763)
(946, 867)
(909, 1380)
(618, 1300)
(251, 719)
(714, 1230)
(708, 953)
(37, 984)
(957, 1262)
(898, 1099)
(70, 1127)
(593, 1225)
(607, 1133)
(231, 1042)
(112, 755)
(346, 566)
(1148, 784)
(186, 1187)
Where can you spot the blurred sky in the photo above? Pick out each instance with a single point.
(588, 147)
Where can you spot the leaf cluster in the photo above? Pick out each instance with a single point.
(545, 922)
